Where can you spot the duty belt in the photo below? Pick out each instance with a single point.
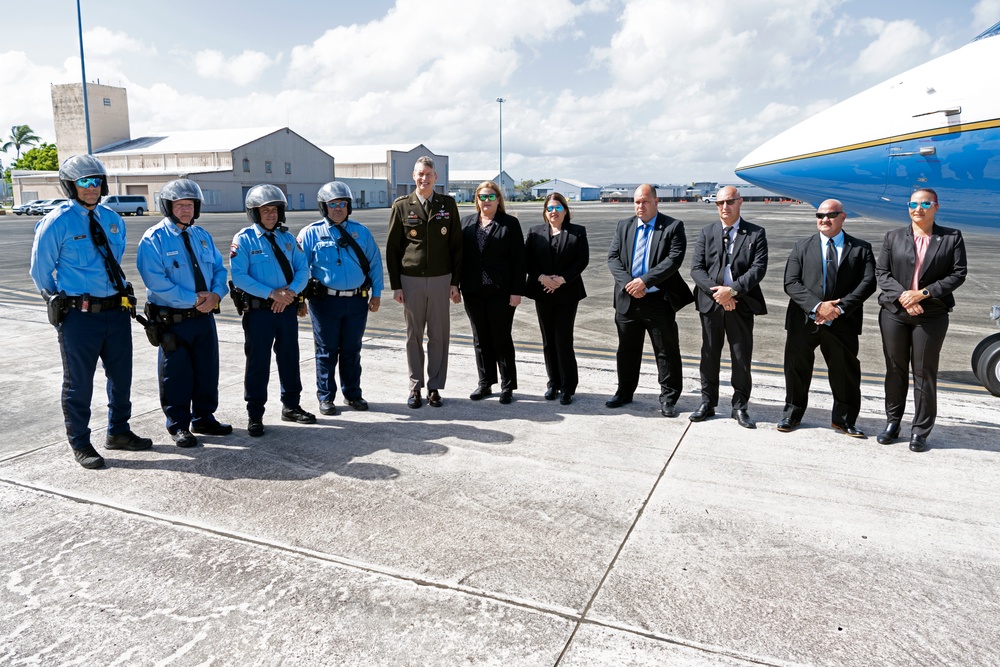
(89, 304)
(171, 315)
(360, 291)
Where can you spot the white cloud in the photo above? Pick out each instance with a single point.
(985, 14)
(101, 41)
(896, 45)
(241, 69)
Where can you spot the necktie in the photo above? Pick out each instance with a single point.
(427, 207)
(639, 256)
(726, 243)
(286, 266)
(831, 270)
(199, 277)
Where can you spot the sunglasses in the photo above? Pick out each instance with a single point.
(722, 202)
(913, 204)
(90, 182)
(489, 197)
(554, 209)
(832, 215)
(337, 204)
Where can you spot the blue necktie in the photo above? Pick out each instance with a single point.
(639, 256)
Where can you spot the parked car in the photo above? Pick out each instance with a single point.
(35, 207)
(127, 204)
(47, 206)
(708, 199)
(25, 208)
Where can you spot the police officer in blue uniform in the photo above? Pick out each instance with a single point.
(269, 272)
(346, 285)
(75, 263)
(185, 280)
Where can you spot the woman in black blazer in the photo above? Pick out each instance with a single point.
(492, 282)
(557, 253)
(918, 268)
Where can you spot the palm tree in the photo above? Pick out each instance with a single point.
(20, 135)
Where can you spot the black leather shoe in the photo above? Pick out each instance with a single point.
(183, 438)
(848, 429)
(255, 428)
(212, 428)
(887, 436)
(565, 399)
(617, 401)
(668, 410)
(357, 403)
(297, 415)
(88, 457)
(551, 394)
(128, 441)
(743, 419)
(434, 398)
(703, 412)
(787, 425)
(327, 408)
(918, 443)
(506, 396)
(414, 401)
(481, 392)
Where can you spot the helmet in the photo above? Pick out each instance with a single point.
(265, 195)
(334, 190)
(81, 166)
(181, 188)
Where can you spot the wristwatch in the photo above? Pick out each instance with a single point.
(925, 292)
(733, 292)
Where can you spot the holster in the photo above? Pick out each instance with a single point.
(314, 289)
(55, 307)
(158, 333)
(236, 295)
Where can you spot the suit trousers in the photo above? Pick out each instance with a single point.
(262, 330)
(189, 375)
(426, 306)
(83, 339)
(339, 324)
(716, 327)
(840, 350)
(916, 340)
(492, 319)
(653, 315)
(557, 321)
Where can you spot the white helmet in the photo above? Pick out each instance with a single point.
(181, 188)
(81, 166)
(265, 195)
(334, 190)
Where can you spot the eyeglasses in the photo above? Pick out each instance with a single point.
(723, 202)
(913, 204)
(554, 209)
(489, 197)
(337, 204)
(831, 215)
(90, 182)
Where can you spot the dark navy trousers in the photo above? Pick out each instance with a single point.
(83, 339)
(338, 326)
(262, 330)
(189, 376)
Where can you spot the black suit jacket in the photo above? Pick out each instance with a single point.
(668, 243)
(568, 258)
(749, 264)
(944, 269)
(502, 257)
(804, 283)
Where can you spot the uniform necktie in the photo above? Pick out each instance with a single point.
(831, 270)
(639, 256)
(286, 266)
(199, 277)
(726, 243)
(427, 207)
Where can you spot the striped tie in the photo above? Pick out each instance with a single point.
(639, 256)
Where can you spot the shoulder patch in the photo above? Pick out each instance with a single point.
(233, 250)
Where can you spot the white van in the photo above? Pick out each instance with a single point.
(127, 204)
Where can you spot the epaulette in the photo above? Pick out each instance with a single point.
(403, 198)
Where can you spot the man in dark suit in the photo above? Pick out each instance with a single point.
(645, 255)
(423, 254)
(730, 260)
(828, 278)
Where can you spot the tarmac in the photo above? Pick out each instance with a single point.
(488, 534)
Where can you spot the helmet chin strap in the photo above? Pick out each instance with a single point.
(184, 226)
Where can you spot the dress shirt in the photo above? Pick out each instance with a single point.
(647, 228)
(256, 270)
(166, 269)
(63, 247)
(336, 267)
(838, 244)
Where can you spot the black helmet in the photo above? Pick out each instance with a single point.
(81, 166)
(182, 188)
(334, 190)
(265, 195)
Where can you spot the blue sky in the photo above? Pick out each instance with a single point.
(597, 90)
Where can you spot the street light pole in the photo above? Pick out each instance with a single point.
(501, 101)
(83, 73)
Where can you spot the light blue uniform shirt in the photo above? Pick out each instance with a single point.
(256, 270)
(338, 268)
(63, 246)
(165, 265)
